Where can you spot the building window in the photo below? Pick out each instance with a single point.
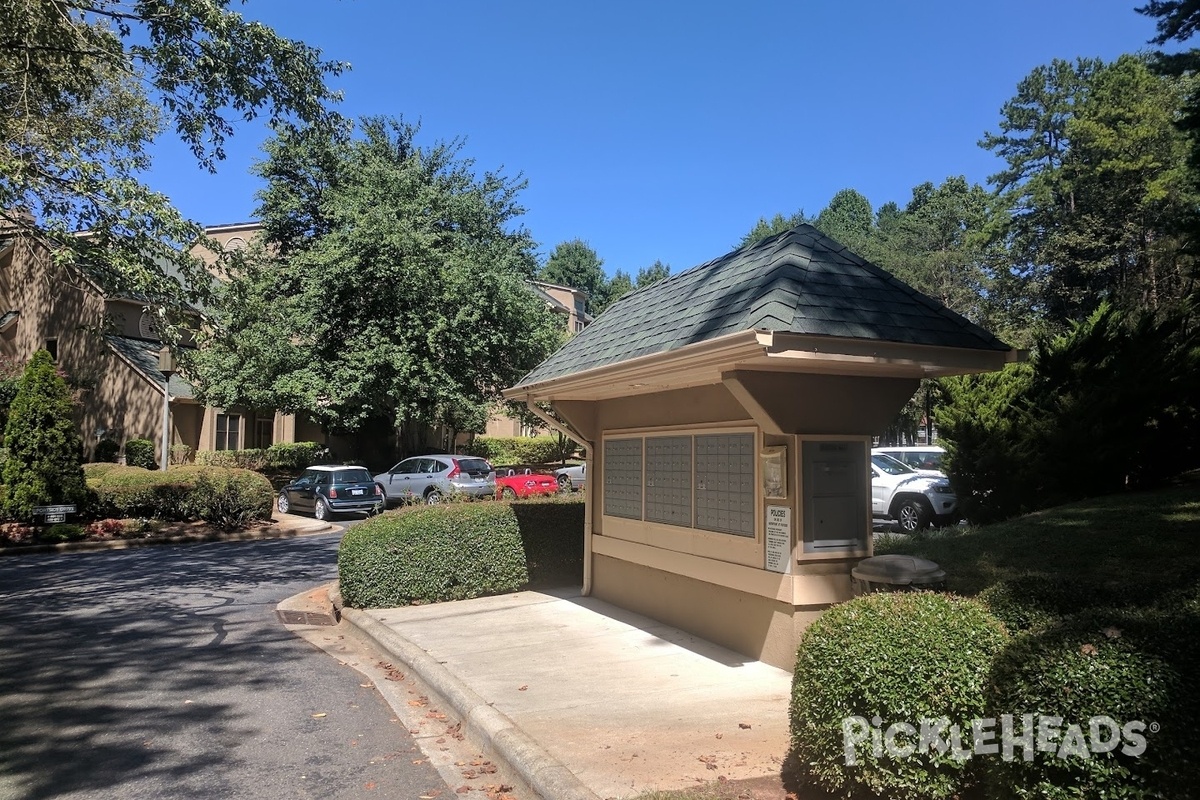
(52, 348)
(669, 480)
(623, 478)
(228, 431)
(578, 325)
(264, 433)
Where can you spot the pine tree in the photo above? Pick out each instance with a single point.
(43, 451)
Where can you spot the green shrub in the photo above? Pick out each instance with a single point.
(140, 453)
(1127, 666)
(107, 450)
(230, 498)
(43, 453)
(904, 658)
(432, 554)
(98, 468)
(296, 455)
(516, 449)
(552, 538)
(180, 453)
(63, 532)
(226, 497)
(1034, 602)
(254, 458)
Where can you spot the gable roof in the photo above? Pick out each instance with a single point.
(142, 355)
(799, 281)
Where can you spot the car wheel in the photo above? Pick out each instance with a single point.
(433, 497)
(912, 516)
(282, 504)
(508, 494)
(321, 509)
(564, 483)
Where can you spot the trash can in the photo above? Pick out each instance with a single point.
(896, 573)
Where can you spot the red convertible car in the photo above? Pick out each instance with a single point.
(514, 482)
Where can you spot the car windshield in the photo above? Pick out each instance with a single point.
(890, 465)
(353, 476)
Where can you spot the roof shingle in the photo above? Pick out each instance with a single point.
(799, 281)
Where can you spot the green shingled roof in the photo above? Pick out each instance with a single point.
(143, 354)
(799, 281)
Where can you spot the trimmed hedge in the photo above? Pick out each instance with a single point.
(460, 550)
(890, 659)
(107, 450)
(516, 449)
(1131, 667)
(279, 456)
(229, 498)
(140, 453)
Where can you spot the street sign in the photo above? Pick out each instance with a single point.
(48, 510)
(56, 518)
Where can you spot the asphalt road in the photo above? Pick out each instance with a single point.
(163, 673)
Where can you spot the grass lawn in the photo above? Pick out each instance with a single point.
(1139, 550)
(1142, 545)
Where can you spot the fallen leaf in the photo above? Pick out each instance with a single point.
(743, 726)
(1088, 650)
(522, 688)
(719, 735)
(463, 789)
(369, 785)
(318, 716)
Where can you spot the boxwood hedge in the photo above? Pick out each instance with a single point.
(890, 659)
(226, 497)
(460, 550)
(1124, 666)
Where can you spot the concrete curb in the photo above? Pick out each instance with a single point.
(544, 774)
(264, 534)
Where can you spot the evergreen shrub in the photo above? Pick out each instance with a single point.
(296, 455)
(43, 452)
(107, 450)
(1124, 665)
(140, 453)
(227, 497)
(516, 449)
(887, 659)
(451, 552)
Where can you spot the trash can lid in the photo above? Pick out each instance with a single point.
(898, 569)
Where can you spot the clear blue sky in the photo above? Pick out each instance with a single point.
(663, 129)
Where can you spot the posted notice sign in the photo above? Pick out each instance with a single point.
(779, 538)
(54, 513)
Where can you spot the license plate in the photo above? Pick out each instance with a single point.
(357, 491)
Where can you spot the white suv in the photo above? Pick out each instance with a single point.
(912, 499)
(927, 459)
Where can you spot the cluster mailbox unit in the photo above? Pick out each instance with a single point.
(727, 413)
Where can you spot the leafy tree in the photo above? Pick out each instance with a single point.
(1177, 20)
(576, 264)
(848, 218)
(404, 295)
(765, 229)
(1120, 387)
(648, 276)
(84, 82)
(619, 285)
(43, 458)
(1096, 194)
(936, 244)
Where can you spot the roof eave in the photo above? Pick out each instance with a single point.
(929, 361)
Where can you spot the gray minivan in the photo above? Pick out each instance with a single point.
(428, 479)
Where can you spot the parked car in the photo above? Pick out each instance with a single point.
(924, 458)
(520, 481)
(913, 500)
(571, 478)
(429, 479)
(331, 489)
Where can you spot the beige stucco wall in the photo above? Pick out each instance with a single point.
(712, 584)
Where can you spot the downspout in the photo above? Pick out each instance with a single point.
(571, 433)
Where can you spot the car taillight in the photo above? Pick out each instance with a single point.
(378, 489)
(454, 471)
(332, 493)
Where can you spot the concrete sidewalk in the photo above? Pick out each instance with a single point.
(587, 700)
